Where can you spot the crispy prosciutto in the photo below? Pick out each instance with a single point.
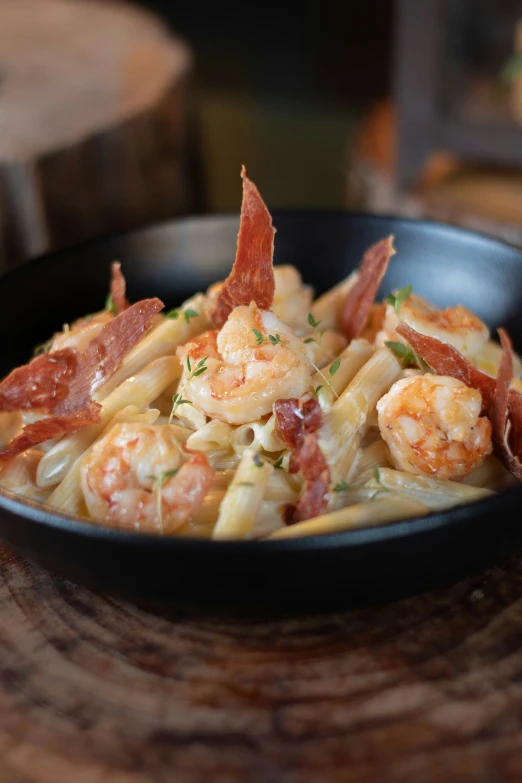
(359, 300)
(252, 276)
(40, 431)
(501, 403)
(62, 383)
(297, 424)
(118, 288)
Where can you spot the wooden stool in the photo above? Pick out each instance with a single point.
(94, 123)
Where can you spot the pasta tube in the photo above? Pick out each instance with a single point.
(257, 435)
(327, 308)
(161, 341)
(349, 362)
(343, 422)
(434, 494)
(241, 504)
(375, 512)
(139, 390)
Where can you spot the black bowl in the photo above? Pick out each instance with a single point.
(446, 264)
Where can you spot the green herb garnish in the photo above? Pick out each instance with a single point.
(311, 320)
(177, 399)
(275, 339)
(342, 487)
(398, 299)
(278, 464)
(188, 314)
(406, 354)
(334, 367)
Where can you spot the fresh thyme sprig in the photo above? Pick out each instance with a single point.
(275, 339)
(398, 299)
(110, 306)
(177, 399)
(187, 314)
(159, 481)
(343, 486)
(406, 354)
(313, 323)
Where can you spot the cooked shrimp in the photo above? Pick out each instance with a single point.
(243, 377)
(457, 326)
(135, 478)
(433, 427)
(292, 299)
(82, 331)
(19, 475)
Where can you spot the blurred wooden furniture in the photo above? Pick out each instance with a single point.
(95, 123)
(449, 56)
(425, 690)
(483, 198)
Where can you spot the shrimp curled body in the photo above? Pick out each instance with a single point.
(134, 478)
(243, 376)
(433, 427)
(456, 326)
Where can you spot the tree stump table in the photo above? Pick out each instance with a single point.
(427, 690)
(95, 123)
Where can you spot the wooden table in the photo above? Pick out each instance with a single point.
(428, 690)
(96, 123)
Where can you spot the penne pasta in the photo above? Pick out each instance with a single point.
(376, 512)
(257, 435)
(140, 391)
(348, 415)
(214, 436)
(161, 341)
(350, 361)
(375, 455)
(10, 426)
(241, 504)
(436, 495)
(327, 308)
(204, 411)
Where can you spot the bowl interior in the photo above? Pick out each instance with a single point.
(173, 260)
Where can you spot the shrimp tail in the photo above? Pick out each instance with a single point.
(252, 276)
(501, 403)
(118, 289)
(359, 300)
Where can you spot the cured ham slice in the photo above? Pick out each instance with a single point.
(252, 276)
(444, 359)
(359, 300)
(39, 384)
(118, 289)
(297, 424)
(105, 352)
(63, 382)
(53, 427)
(295, 419)
(501, 403)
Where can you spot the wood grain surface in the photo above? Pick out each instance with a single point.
(96, 123)
(94, 689)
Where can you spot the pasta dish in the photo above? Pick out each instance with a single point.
(255, 410)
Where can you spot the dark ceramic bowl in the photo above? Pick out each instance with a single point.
(173, 260)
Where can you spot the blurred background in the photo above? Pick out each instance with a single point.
(114, 115)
